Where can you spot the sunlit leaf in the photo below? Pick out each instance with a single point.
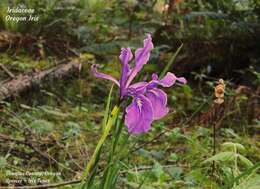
(222, 156)
(245, 161)
(231, 145)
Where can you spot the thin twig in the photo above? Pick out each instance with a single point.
(9, 73)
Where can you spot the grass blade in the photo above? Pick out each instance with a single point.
(109, 98)
(167, 67)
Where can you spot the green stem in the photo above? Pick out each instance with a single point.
(236, 167)
(101, 141)
(118, 133)
(214, 148)
(113, 161)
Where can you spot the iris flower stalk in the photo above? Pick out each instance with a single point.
(149, 102)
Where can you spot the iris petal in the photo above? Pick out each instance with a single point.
(169, 79)
(142, 56)
(125, 56)
(158, 98)
(139, 115)
(137, 88)
(102, 75)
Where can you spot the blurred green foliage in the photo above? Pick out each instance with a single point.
(63, 119)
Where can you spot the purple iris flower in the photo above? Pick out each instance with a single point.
(149, 102)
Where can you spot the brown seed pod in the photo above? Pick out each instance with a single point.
(219, 92)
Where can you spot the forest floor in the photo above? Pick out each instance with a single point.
(54, 127)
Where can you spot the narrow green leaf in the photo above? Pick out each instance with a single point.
(167, 67)
(109, 98)
(245, 161)
(112, 175)
(100, 143)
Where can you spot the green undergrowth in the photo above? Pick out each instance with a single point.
(63, 120)
(24, 63)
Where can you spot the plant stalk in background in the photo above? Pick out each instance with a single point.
(219, 94)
